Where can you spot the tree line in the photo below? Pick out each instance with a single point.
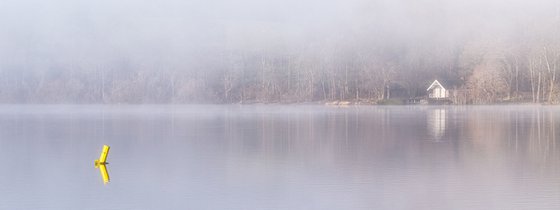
(480, 67)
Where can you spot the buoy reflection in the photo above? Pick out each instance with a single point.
(104, 173)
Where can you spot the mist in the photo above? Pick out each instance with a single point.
(65, 51)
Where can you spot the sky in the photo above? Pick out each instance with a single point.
(86, 31)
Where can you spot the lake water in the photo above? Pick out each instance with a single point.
(280, 157)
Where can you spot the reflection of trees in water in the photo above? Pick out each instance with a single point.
(486, 130)
(360, 137)
(301, 133)
(541, 145)
(341, 135)
(527, 135)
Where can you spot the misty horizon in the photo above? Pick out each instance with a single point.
(220, 51)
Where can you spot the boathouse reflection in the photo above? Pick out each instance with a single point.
(437, 123)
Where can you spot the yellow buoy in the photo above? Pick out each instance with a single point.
(103, 157)
(100, 163)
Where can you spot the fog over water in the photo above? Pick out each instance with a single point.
(62, 51)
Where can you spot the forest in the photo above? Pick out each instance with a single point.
(361, 52)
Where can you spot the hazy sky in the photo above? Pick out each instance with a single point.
(89, 30)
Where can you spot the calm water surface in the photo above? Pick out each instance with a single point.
(280, 157)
